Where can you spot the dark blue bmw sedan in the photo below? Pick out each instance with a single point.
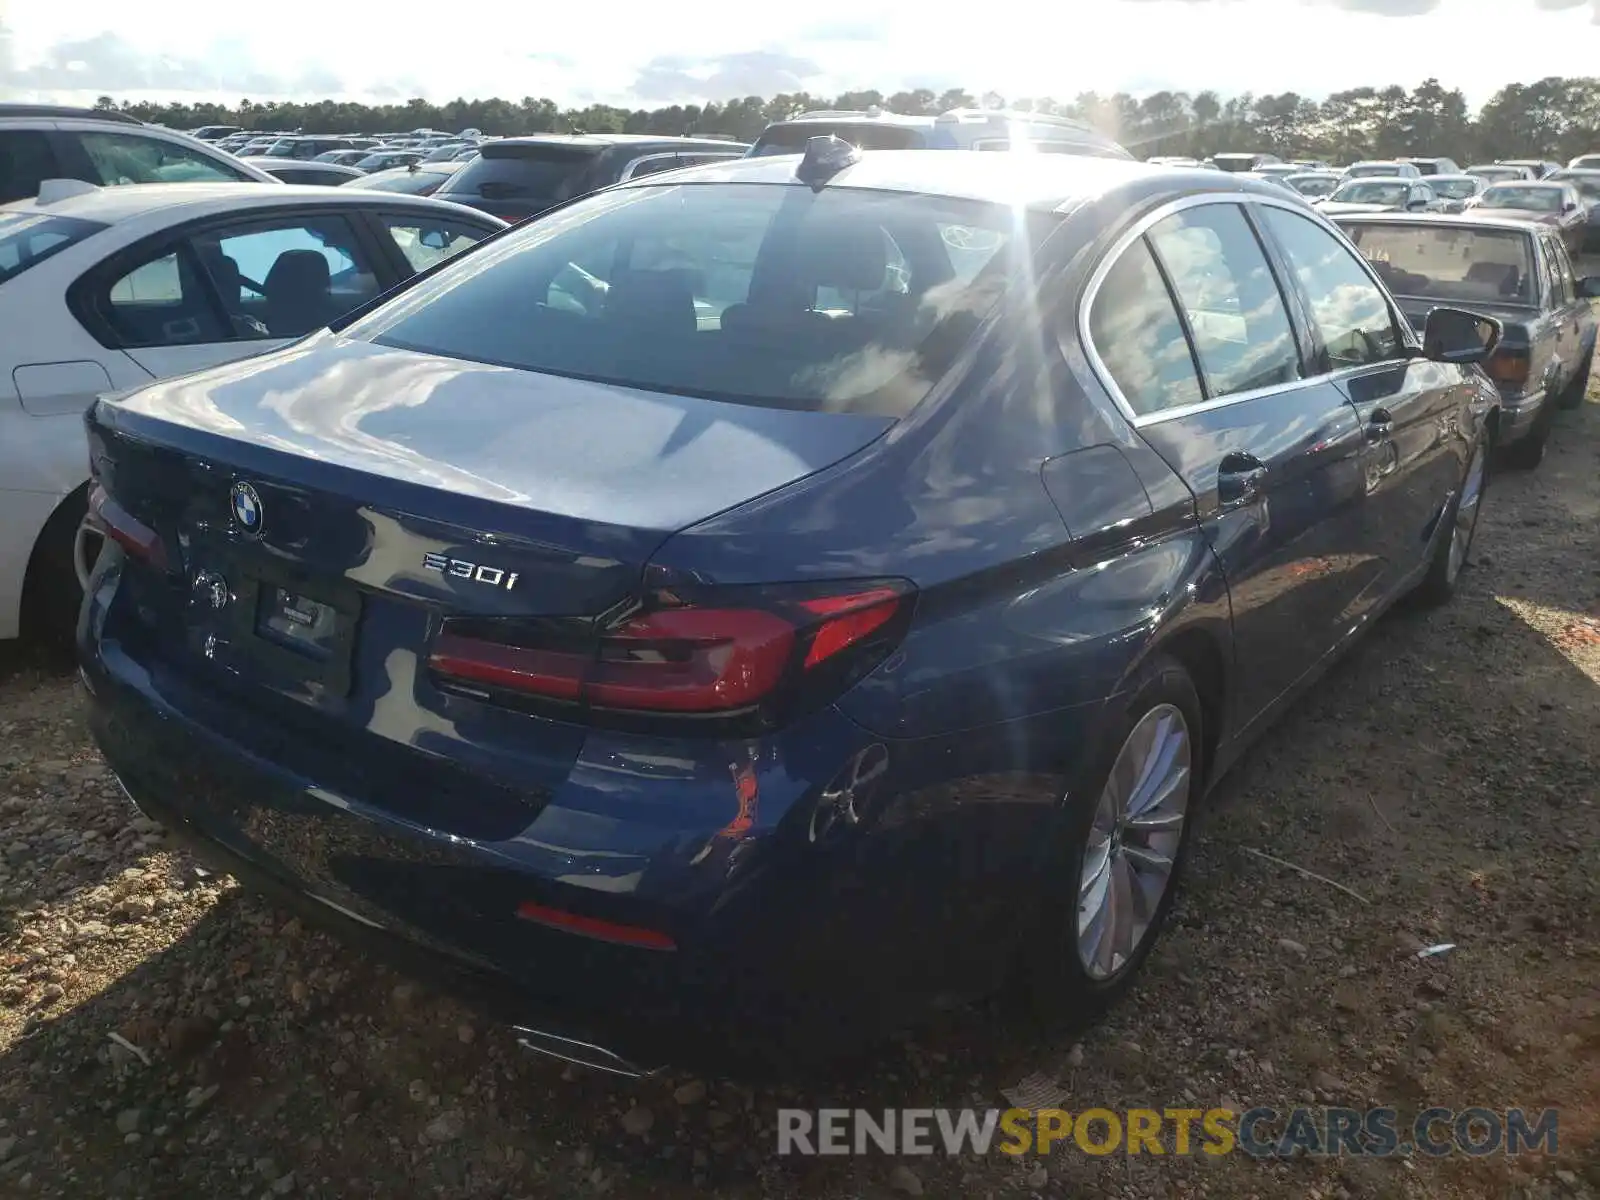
(755, 604)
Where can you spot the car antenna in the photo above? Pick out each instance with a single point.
(825, 156)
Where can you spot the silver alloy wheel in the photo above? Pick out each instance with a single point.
(1467, 512)
(1133, 842)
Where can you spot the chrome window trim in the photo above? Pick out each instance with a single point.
(633, 164)
(1139, 228)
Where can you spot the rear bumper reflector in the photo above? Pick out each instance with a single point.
(594, 927)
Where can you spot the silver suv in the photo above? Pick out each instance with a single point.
(45, 141)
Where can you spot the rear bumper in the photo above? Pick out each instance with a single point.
(1519, 412)
(789, 948)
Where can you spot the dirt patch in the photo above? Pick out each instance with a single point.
(1446, 772)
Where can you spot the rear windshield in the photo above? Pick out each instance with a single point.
(1455, 189)
(1372, 193)
(1588, 185)
(546, 173)
(841, 301)
(1529, 199)
(791, 139)
(27, 239)
(1315, 186)
(1368, 170)
(413, 183)
(1448, 262)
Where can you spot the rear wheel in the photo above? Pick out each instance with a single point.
(51, 594)
(1454, 542)
(1120, 852)
(1578, 386)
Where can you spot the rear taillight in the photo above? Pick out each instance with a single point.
(1508, 367)
(126, 530)
(752, 653)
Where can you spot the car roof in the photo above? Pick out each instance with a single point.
(1472, 219)
(10, 110)
(1406, 179)
(1530, 183)
(1040, 181)
(609, 139)
(110, 205)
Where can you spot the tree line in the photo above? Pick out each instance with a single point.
(1556, 118)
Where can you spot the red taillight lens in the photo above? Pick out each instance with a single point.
(1508, 367)
(696, 659)
(126, 530)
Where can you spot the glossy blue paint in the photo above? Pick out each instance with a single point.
(1052, 546)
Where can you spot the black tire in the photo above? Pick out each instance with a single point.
(1578, 386)
(1444, 569)
(1528, 452)
(51, 595)
(1052, 981)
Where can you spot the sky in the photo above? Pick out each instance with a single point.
(640, 53)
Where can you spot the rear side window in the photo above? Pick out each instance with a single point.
(545, 174)
(1235, 313)
(791, 139)
(1136, 332)
(835, 301)
(27, 239)
(26, 161)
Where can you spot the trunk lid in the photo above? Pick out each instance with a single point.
(323, 508)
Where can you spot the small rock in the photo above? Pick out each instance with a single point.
(465, 1033)
(283, 1185)
(417, 1090)
(298, 992)
(7, 1145)
(446, 1127)
(719, 1118)
(583, 1156)
(1038, 1177)
(128, 1120)
(265, 1166)
(1075, 1055)
(404, 995)
(1568, 1178)
(903, 1179)
(199, 1097)
(1292, 946)
(1325, 1082)
(51, 993)
(690, 1093)
(638, 1120)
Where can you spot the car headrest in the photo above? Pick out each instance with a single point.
(297, 272)
(848, 256)
(660, 300)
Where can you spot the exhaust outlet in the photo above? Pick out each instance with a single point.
(582, 1054)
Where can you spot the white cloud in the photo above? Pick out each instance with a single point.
(647, 54)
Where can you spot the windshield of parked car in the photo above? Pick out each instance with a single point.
(791, 139)
(1448, 262)
(839, 301)
(1314, 186)
(1529, 198)
(1588, 185)
(1454, 189)
(1371, 193)
(1499, 174)
(28, 238)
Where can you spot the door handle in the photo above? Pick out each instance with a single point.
(1380, 425)
(1239, 479)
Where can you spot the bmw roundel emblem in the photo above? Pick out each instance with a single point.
(246, 509)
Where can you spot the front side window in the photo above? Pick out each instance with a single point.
(837, 301)
(1351, 314)
(120, 158)
(1226, 291)
(427, 243)
(1136, 332)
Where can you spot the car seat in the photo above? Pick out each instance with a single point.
(299, 293)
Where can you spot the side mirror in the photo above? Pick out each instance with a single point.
(434, 239)
(1589, 287)
(1454, 335)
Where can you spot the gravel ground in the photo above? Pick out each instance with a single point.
(1445, 772)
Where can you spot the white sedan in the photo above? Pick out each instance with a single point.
(107, 288)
